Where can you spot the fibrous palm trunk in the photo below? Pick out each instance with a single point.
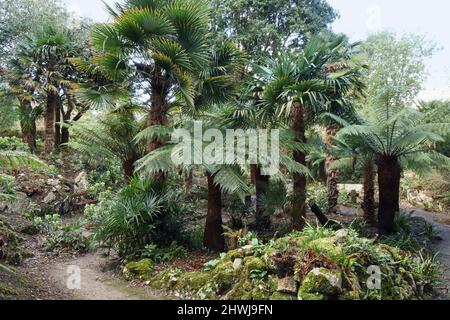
(52, 102)
(332, 173)
(261, 186)
(158, 110)
(389, 173)
(214, 238)
(300, 182)
(128, 166)
(57, 126)
(28, 125)
(369, 192)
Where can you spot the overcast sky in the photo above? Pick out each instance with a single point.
(361, 17)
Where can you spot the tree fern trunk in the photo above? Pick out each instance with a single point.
(332, 173)
(389, 172)
(369, 192)
(128, 167)
(214, 238)
(261, 186)
(299, 205)
(49, 143)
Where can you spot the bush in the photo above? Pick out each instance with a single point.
(12, 144)
(7, 184)
(166, 254)
(59, 236)
(143, 213)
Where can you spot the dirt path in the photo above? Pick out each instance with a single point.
(94, 282)
(442, 246)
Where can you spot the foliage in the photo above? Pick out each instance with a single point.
(284, 23)
(142, 213)
(59, 236)
(7, 184)
(12, 144)
(164, 254)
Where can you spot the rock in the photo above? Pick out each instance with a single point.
(53, 182)
(81, 182)
(358, 188)
(248, 249)
(19, 204)
(321, 283)
(287, 285)
(51, 197)
(278, 296)
(141, 270)
(237, 264)
(340, 236)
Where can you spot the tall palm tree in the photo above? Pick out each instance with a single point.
(397, 137)
(162, 42)
(46, 52)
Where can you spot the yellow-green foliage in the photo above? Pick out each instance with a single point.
(141, 270)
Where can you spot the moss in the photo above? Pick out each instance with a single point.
(6, 292)
(235, 254)
(10, 250)
(311, 296)
(327, 247)
(224, 276)
(141, 270)
(251, 289)
(278, 296)
(321, 281)
(253, 264)
(193, 281)
(166, 279)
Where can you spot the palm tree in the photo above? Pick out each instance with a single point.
(162, 42)
(46, 52)
(398, 138)
(111, 137)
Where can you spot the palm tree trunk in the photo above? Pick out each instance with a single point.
(52, 101)
(299, 204)
(28, 125)
(369, 192)
(261, 186)
(57, 125)
(188, 182)
(389, 173)
(158, 110)
(332, 173)
(214, 238)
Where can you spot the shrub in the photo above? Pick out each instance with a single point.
(142, 213)
(165, 254)
(12, 144)
(7, 184)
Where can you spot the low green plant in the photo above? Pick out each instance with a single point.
(164, 254)
(7, 184)
(12, 144)
(141, 214)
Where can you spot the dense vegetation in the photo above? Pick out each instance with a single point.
(105, 99)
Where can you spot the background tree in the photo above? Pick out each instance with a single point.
(264, 28)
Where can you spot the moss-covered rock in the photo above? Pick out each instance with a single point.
(321, 282)
(327, 247)
(10, 249)
(278, 296)
(253, 264)
(141, 270)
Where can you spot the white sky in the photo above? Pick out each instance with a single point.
(361, 17)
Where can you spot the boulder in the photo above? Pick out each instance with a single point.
(237, 264)
(141, 270)
(287, 285)
(81, 182)
(321, 284)
(49, 198)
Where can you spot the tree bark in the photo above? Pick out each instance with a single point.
(332, 173)
(261, 186)
(52, 101)
(28, 126)
(369, 192)
(389, 172)
(128, 167)
(300, 182)
(188, 182)
(58, 125)
(214, 238)
(158, 110)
